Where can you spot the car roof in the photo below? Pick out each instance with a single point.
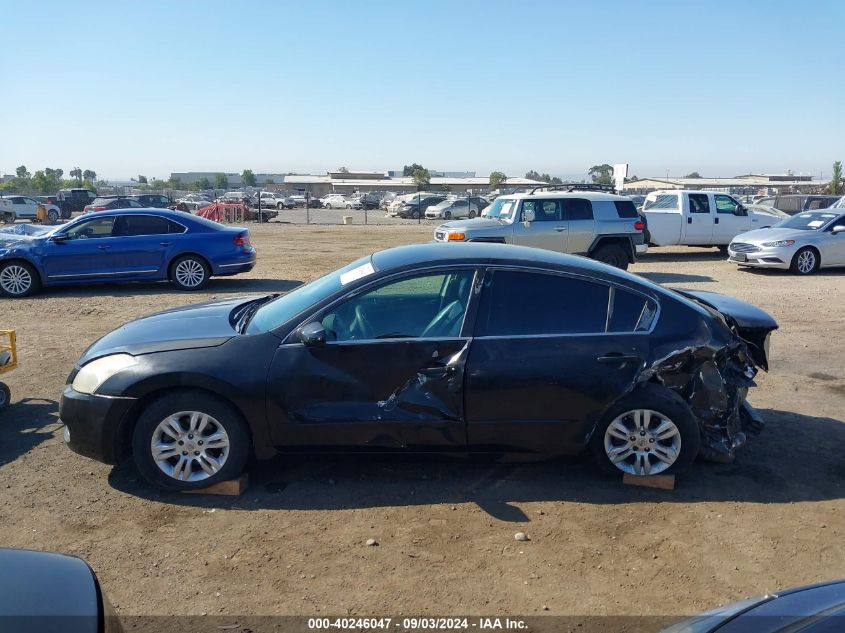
(166, 213)
(551, 193)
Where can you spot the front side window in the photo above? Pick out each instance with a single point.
(516, 303)
(423, 306)
(544, 210)
(91, 229)
(725, 204)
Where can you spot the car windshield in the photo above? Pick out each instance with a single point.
(502, 209)
(286, 307)
(807, 221)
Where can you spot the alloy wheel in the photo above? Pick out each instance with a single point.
(806, 262)
(189, 446)
(642, 442)
(190, 273)
(15, 280)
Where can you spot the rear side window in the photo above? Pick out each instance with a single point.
(699, 203)
(577, 209)
(667, 201)
(818, 203)
(788, 204)
(128, 225)
(626, 209)
(522, 303)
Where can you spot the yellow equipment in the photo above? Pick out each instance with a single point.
(8, 361)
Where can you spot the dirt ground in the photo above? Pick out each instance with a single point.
(295, 542)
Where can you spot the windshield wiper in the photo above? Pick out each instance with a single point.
(249, 311)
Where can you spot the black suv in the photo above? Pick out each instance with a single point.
(416, 206)
(74, 200)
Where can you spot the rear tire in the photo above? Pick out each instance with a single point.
(805, 261)
(612, 255)
(5, 395)
(669, 430)
(187, 466)
(189, 272)
(447, 215)
(18, 279)
(280, 206)
(471, 214)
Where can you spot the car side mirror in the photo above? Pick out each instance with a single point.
(312, 333)
(740, 210)
(839, 228)
(528, 216)
(61, 237)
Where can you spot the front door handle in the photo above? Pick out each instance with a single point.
(439, 371)
(716, 220)
(165, 243)
(614, 358)
(104, 248)
(689, 220)
(560, 228)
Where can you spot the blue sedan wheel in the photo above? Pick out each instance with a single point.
(189, 272)
(18, 279)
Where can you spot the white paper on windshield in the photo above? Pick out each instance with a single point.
(356, 273)
(815, 224)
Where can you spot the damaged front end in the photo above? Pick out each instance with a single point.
(713, 377)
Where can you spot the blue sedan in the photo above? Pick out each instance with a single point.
(124, 245)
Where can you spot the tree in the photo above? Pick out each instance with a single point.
(421, 177)
(836, 180)
(89, 175)
(76, 172)
(248, 178)
(445, 188)
(21, 172)
(174, 182)
(142, 180)
(343, 170)
(205, 183)
(601, 174)
(497, 179)
(408, 170)
(693, 174)
(221, 182)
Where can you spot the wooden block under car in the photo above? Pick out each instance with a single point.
(664, 482)
(231, 487)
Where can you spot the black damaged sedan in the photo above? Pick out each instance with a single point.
(429, 348)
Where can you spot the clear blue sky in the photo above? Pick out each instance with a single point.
(163, 85)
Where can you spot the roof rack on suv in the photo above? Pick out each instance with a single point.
(577, 186)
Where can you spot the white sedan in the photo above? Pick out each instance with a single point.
(23, 207)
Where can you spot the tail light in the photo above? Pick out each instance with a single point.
(639, 225)
(242, 239)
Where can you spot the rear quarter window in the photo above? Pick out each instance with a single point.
(626, 209)
(662, 202)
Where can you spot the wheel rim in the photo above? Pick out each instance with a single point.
(189, 446)
(806, 262)
(190, 273)
(53, 216)
(642, 442)
(15, 280)
(471, 215)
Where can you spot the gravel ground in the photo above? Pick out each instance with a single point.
(295, 542)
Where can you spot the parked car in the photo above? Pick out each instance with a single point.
(818, 608)
(111, 203)
(452, 208)
(124, 245)
(14, 208)
(74, 200)
(408, 350)
(371, 200)
(153, 200)
(803, 243)
(795, 203)
(236, 197)
(698, 218)
(415, 206)
(46, 592)
(338, 201)
(276, 200)
(600, 225)
(194, 201)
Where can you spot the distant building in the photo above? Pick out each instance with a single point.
(439, 174)
(235, 180)
(747, 184)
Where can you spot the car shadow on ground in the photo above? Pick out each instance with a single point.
(693, 254)
(786, 464)
(24, 425)
(680, 278)
(235, 286)
(823, 272)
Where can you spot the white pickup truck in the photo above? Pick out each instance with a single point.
(699, 218)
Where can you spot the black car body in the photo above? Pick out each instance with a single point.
(44, 592)
(112, 203)
(434, 347)
(818, 608)
(153, 200)
(74, 200)
(795, 203)
(416, 206)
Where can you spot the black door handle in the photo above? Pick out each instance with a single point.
(616, 357)
(716, 220)
(689, 220)
(439, 371)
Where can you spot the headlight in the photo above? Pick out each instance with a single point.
(95, 373)
(779, 243)
(456, 237)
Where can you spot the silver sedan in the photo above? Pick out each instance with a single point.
(803, 243)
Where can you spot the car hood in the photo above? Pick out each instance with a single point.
(189, 327)
(770, 235)
(14, 234)
(475, 223)
(750, 323)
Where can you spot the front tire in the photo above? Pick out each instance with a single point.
(805, 261)
(471, 214)
(648, 432)
(9, 217)
(5, 395)
(280, 206)
(447, 215)
(18, 279)
(52, 216)
(189, 272)
(612, 255)
(188, 440)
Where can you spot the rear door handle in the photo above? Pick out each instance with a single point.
(560, 228)
(104, 248)
(165, 243)
(615, 358)
(689, 220)
(716, 220)
(439, 371)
